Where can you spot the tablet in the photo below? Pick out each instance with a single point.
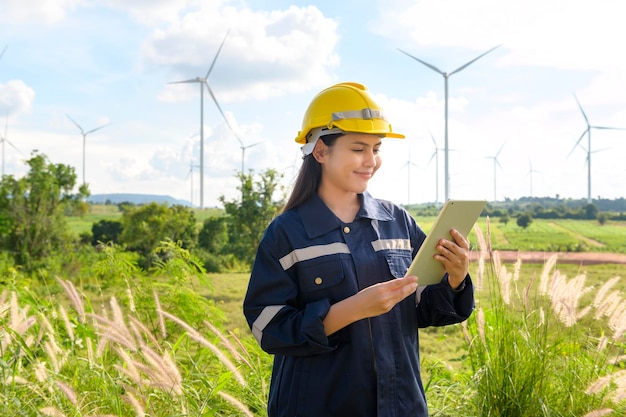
(455, 214)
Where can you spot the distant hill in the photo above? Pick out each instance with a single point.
(117, 198)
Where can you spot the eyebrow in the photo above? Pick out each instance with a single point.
(358, 142)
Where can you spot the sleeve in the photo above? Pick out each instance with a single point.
(440, 305)
(279, 323)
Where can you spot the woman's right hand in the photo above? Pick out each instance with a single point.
(382, 297)
(369, 302)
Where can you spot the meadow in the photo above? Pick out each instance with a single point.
(545, 339)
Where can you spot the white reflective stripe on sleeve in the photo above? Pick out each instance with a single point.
(418, 293)
(312, 252)
(265, 317)
(388, 244)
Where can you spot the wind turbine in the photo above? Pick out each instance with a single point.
(203, 81)
(435, 155)
(496, 163)
(408, 164)
(3, 51)
(84, 134)
(587, 131)
(446, 76)
(243, 150)
(190, 174)
(5, 139)
(530, 173)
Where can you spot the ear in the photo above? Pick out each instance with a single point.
(320, 151)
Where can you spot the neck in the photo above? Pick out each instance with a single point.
(344, 205)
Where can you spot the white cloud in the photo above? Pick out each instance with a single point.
(15, 98)
(44, 11)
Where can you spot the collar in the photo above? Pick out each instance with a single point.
(318, 219)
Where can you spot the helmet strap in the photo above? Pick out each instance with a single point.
(314, 135)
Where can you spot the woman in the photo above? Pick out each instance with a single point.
(327, 294)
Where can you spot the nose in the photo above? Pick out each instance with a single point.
(371, 158)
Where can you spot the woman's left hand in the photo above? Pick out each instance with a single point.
(454, 255)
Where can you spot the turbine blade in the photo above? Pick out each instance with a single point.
(97, 128)
(433, 138)
(254, 144)
(608, 128)
(581, 110)
(222, 113)
(473, 60)
(77, 125)
(192, 80)
(3, 51)
(432, 67)
(13, 146)
(578, 141)
(216, 55)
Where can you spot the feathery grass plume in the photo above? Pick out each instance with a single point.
(130, 370)
(131, 299)
(139, 408)
(161, 371)
(74, 297)
(609, 305)
(157, 303)
(619, 379)
(602, 344)
(480, 324)
(231, 348)
(41, 373)
(565, 296)
(67, 390)
(54, 352)
(598, 300)
(90, 355)
(482, 254)
(241, 406)
(140, 330)
(599, 413)
(114, 331)
(544, 281)
(3, 299)
(69, 327)
(504, 278)
(51, 412)
(191, 332)
(617, 321)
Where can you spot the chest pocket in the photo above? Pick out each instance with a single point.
(322, 279)
(398, 263)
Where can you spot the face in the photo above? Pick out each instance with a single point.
(350, 163)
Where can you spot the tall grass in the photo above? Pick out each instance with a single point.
(535, 350)
(132, 356)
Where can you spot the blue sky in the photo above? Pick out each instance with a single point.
(109, 62)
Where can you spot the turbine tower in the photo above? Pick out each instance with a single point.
(446, 76)
(84, 134)
(587, 131)
(496, 163)
(435, 155)
(203, 81)
(530, 173)
(408, 165)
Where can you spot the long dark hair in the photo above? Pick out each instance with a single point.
(309, 176)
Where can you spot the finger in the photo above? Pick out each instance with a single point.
(459, 239)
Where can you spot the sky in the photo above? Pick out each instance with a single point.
(513, 117)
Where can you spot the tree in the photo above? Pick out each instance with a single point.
(524, 220)
(214, 234)
(105, 231)
(32, 225)
(145, 227)
(249, 216)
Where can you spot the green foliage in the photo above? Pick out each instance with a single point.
(524, 220)
(214, 234)
(105, 231)
(249, 216)
(143, 228)
(32, 224)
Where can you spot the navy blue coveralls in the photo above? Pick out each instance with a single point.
(308, 260)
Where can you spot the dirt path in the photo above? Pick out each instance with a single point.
(582, 258)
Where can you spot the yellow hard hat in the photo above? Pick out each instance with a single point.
(347, 107)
